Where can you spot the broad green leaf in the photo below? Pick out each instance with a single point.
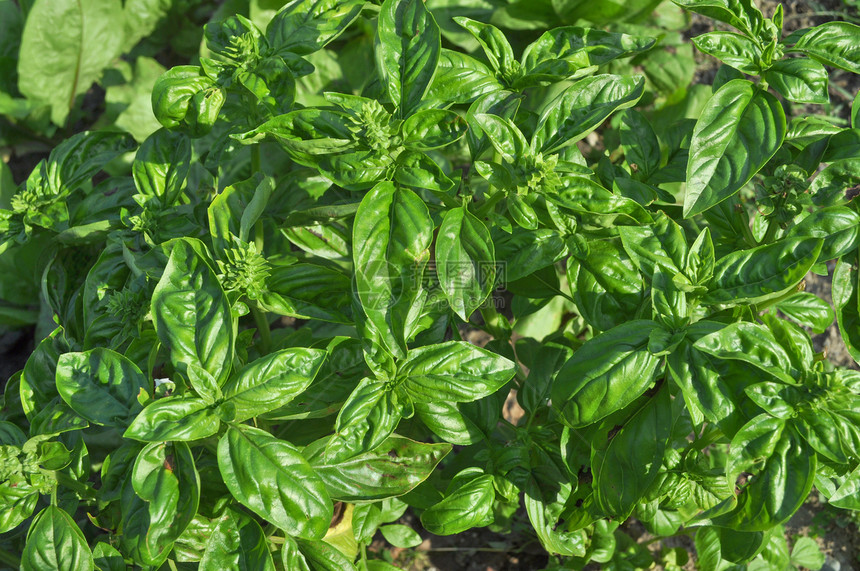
(161, 165)
(16, 504)
(392, 469)
(461, 423)
(641, 147)
(432, 128)
(271, 478)
(808, 310)
(582, 108)
(505, 137)
(101, 385)
(739, 130)
(407, 51)
(606, 374)
(272, 381)
(742, 14)
(108, 558)
(735, 50)
(501, 104)
(754, 344)
(581, 48)
(459, 78)
(846, 302)
(801, 80)
(56, 542)
(80, 157)
(832, 43)
(806, 553)
(369, 416)
(661, 245)
(837, 226)
(526, 251)
(323, 556)
(192, 315)
(496, 47)
(160, 501)
(237, 543)
(391, 246)
(468, 505)
(174, 418)
(64, 48)
(775, 492)
(400, 535)
(185, 97)
(454, 371)
(631, 462)
(761, 273)
(465, 261)
(305, 26)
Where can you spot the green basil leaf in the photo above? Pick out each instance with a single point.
(735, 50)
(582, 47)
(468, 506)
(323, 556)
(192, 315)
(272, 381)
(754, 344)
(164, 493)
(641, 147)
(162, 164)
(808, 310)
(64, 48)
(765, 272)
(739, 130)
(455, 371)
(185, 97)
(108, 558)
(742, 14)
(101, 385)
(391, 469)
(846, 302)
(432, 129)
(305, 26)
(496, 47)
(606, 374)
(777, 491)
(401, 536)
(271, 478)
(174, 418)
(582, 107)
(237, 542)
(501, 104)
(391, 246)
(838, 226)
(369, 416)
(407, 51)
(631, 462)
(660, 245)
(801, 80)
(833, 43)
(505, 137)
(56, 542)
(465, 261)
(459, 78)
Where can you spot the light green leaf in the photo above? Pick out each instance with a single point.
(739, 130)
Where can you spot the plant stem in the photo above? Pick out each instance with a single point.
(10, 559)
(488, 205)
(80, 488)
(262, 329)
(255, 159)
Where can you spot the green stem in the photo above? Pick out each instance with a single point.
(255, 159)
(496, 325)
(10, 559)
(78, 487)
(262, 329)
(489, 204)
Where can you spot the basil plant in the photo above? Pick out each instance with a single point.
(365, 232)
